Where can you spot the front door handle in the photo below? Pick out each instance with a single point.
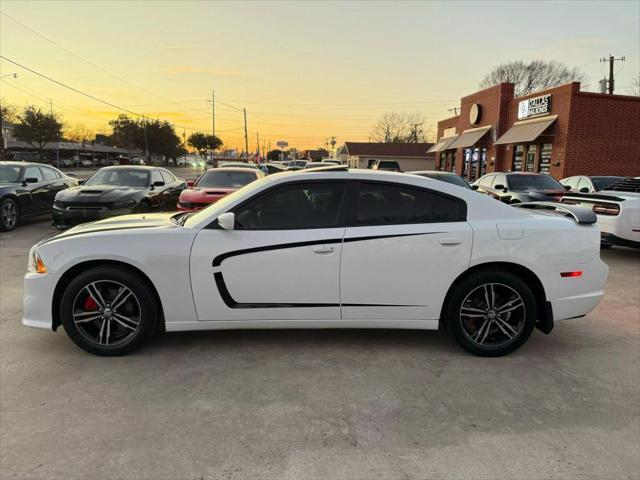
(324, 249)
(450, 241)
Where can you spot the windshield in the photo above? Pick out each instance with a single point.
(124, 177)
(533, 182)
(225, 179)
(221, 205)
(9, 174)
(602, 183)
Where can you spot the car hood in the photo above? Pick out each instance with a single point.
(204, 194)
(123, 222)
(99, 193)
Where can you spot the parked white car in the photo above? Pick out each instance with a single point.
(335, 248)
(618, 212)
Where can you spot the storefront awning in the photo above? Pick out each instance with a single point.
(526, 131)
(470, 137)
(442, 144)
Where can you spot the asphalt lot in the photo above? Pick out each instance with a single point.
(322, 404)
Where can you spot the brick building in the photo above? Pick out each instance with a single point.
(561, 131)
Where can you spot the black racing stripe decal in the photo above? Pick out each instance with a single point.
(217, 261)
(231, 303)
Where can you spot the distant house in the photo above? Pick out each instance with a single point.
(314, 155)
(410, 156)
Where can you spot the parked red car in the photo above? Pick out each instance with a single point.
(214, 184)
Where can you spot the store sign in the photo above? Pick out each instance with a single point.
(534, 107)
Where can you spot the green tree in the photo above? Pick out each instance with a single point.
(37, 127)
(159, 137)
(203, 142)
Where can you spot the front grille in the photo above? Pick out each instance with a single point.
(193, 205)
(85, 205)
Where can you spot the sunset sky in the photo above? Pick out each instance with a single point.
(304, 71)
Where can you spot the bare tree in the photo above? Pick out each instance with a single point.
(37, 127)
(79, 133)
(394, 127)
(533, 76)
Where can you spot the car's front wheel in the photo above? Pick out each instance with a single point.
(108, 311)
(9, 214)
(491, 313)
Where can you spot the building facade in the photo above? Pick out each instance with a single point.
(561, 131)
(410, 156)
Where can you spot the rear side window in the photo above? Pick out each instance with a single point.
(49, 173)
(387, 204)
(156, 177)
(294, 207)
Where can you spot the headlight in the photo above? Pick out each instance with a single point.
(128, 203)
(36, 265)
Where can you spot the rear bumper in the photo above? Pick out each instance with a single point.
(69, 218)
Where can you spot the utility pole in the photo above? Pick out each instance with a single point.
(213, 113)
(258, 145)
(414, 132)
(146, 141)
(611, 60)
(246, 139)
(58, 142)
(454, 110)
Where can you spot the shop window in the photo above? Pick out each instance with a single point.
(545, 158)
(518, 157)
(475, 163)
(443, 161)
(531, 158)
(453, 161)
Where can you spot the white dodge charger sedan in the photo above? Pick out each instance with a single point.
(330, 248)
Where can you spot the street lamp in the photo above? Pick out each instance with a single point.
(14, 75)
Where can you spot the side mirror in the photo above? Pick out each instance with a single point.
(500, 187)
(158, 184)
(227, 221)
(568, 187)
(190, 183)
(474, 187)
(584, 190)
(31, 180)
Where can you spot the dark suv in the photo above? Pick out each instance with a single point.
(519, 187)
(388, 165)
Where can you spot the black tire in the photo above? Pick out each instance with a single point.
(9, 214)
(467, 312)
(144, 207)
(140, 311)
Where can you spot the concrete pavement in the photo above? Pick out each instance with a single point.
(322, 404)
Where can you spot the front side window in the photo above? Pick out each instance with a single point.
(33, 172)
(386, 204)
(167, 176)
(293, 207)
(156, 177)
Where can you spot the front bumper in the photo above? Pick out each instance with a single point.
(37, 300)
(68, 218)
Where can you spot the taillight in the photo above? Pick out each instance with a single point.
(606, 209)
(577, 273)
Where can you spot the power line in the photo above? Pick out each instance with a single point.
(88, 95)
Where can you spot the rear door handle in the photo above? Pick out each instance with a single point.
(324, 249)
(450, 241)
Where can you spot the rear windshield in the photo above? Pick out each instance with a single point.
(225, 179)
(601, 183)
(533, 182)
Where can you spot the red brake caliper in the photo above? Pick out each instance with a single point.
(90, 304)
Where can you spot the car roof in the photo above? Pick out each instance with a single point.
(24, 164)
(233, 169)
(433, 172)
(130, 167)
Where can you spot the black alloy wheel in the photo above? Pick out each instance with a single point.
(491, 313)
(9, 214)
(108, 311)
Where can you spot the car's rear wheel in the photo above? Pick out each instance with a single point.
(108, 311)
(9, 214)
(491, 313)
